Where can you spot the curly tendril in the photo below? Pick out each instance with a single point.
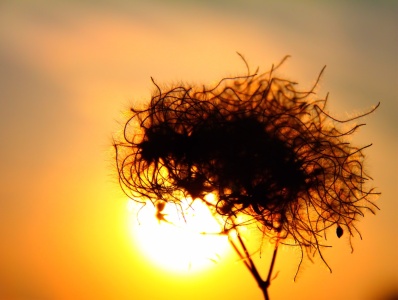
(263, 148)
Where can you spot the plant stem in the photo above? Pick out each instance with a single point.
(246, 257)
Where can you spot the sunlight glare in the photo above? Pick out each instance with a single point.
(178, 238)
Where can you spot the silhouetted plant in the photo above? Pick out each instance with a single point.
(264, 149)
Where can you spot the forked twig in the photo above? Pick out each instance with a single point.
(249, 263)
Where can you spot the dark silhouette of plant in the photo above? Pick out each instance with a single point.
(266, 151)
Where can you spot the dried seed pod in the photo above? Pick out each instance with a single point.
(265, 149)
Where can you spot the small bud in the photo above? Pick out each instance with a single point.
(339, 231)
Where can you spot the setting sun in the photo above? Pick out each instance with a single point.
(71, 71)
(178, 238)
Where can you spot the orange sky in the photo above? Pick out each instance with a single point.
(68, 72)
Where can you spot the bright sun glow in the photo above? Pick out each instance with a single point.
(174, 238)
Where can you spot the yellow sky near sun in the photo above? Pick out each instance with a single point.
(70, 72)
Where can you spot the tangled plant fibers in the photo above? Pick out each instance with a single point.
(263, 148)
